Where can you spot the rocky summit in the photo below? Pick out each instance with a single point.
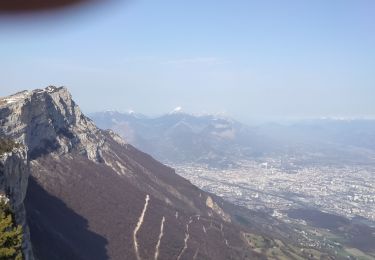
(93, 196)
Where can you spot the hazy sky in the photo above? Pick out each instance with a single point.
(250, 59)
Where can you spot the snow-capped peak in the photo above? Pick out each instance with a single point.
(176, 110)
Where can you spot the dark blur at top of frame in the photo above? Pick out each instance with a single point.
(29, 6)
(21, 15)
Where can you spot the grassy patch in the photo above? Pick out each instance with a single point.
(7, 145)
(276, 249)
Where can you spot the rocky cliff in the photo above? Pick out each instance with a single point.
(14, 174)
(47, 120)
(93, 196)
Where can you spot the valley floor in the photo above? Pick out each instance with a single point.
(325, 203)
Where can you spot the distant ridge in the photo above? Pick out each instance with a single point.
(219, 141)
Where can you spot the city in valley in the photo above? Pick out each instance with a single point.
(347, 191)
(329, 207)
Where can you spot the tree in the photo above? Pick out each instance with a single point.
(10, 235)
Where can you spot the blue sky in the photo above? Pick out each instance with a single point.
(249, 59)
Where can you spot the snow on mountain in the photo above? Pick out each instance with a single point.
(176, 110)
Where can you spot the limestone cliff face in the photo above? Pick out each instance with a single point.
(48, 120)
(14, 174)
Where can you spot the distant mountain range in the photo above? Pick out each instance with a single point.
(178, 137)
(222, 142)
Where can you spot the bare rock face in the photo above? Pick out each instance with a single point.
(14, 174)
(93, 196)
(216, 208)
(48, 120)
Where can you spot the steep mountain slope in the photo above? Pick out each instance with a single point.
(93, 196)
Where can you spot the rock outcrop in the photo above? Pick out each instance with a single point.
(48, 120)
(14, 174)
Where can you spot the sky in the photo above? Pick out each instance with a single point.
(248, 59)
